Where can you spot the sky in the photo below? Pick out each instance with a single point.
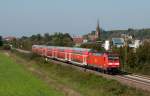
(77, 17)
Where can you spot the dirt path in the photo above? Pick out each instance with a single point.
(42, 75)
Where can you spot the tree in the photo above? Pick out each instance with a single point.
(132, 59)
(94, 46)
(143, 53)
(39, 37)
(60, 39)
(1, 41)
(47, 37)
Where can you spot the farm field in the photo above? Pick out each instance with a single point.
(15, 80)
(86, 84)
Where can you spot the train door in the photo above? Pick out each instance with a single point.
(85, 59)
(52, 51)
(56, 53)
(46, 49)
(70, 56)
(65, 55)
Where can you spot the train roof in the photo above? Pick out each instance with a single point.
(63, 48)
(81, 49)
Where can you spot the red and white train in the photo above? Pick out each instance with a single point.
(80, 56)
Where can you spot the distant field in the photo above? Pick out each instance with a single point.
(16, 81)
(86, 84)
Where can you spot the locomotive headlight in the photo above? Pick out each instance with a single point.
(110, 63)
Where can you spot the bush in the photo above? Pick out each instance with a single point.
(7, 47)
(94, 46)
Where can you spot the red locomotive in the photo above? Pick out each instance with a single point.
(80, 56)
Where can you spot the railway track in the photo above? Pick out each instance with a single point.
(137, 81)
(139, 78)
(134, 81)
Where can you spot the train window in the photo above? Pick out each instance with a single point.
(62, 50)
(97, 53)
(78, 52)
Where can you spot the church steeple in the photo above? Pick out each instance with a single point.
(97, 30)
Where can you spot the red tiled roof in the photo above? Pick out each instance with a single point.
(78, 40)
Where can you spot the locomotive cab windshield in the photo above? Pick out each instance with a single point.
(113, 60)
(113, 57)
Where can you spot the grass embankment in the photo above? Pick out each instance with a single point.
(86, 84)
(16, 81)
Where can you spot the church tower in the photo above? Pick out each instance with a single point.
(98, 33)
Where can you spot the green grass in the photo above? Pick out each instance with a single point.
(16, 81)
(86, 83)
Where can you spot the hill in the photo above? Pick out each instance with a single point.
(136, 33)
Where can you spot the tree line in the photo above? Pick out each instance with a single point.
(56, 39)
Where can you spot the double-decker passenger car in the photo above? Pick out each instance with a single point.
(81, 56)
